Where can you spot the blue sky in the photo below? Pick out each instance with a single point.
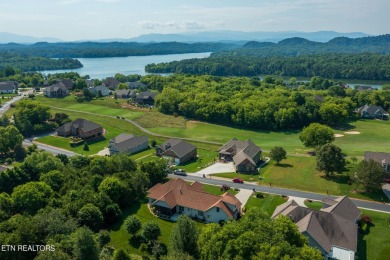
(99, 19)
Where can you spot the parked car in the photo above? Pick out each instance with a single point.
(180, 172)
(387, 180)
(238, 180)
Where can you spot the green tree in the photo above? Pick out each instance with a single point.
(103, 238)
(316, 135)
(85, 246)
(132, 224)
(122, 86)
(86, 146)
(184, 236)
(90, 216)
(4, 121)
(113, 187)
(330, 159)
(151, 230)
(332, 113)
(30, 197)
(155, 170)
(54, 179)
(370, 175)
(20, 152)
(277, 154)
(9, 138)
(121, 255)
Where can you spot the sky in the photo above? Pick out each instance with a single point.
(103, 19)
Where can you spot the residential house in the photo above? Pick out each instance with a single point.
(82, 128)
(245, 155)
(104, 90)
(363, 88)
(128, 144)
(8, 87)
(178, 197)
(68, 83)
(374, 112)
(89, 82)
(146, 98)
(177, 151)
(333, 229)
(382, 158)
(111, 83)
(125, 93)
(136, 85)
(57, 90)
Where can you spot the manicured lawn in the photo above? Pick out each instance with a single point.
(375, 244)
(113, 128)
(217, 190)
(298, 172)
(120, 238)
(156, 119)
(317, 205)
(103, 106)
(267, 204)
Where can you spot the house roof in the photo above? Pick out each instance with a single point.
(111, 82)
(126, 92)
(372, 110)
(179, 193)
(146, 95)
(8, 85)
(56, 87)
(382, 158)
(97, 88)
(68, 83)
(241, 150)
(331, 226)
(124, 142)
(179, 147)
(80, 123)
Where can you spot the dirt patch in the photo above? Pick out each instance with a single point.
(352, 133)
(338, 135)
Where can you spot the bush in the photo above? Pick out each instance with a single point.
(366, 219)
(225, 188)
(259, 195)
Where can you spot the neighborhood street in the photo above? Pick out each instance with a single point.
(281, 191)
(49, 148)
(6, 105)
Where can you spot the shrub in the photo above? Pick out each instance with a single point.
(259, 195)
(225, 188)
(366, 219)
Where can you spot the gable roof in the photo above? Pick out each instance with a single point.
(101, 88)
(372, 110)
(68, 83)
(55, 87)
(382, 158)
(124, 142)
(79, 123)
(179, 193)
(331, 226)
(241, 150)
(179, 147)
(111, 82)
(8, 85)
(146, 95)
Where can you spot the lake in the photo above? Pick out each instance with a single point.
(100, 68)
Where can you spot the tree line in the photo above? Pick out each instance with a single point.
(267, 104)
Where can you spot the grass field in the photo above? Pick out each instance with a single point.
(316, 205)
(268, 203)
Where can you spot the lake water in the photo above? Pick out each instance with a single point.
(100, 68)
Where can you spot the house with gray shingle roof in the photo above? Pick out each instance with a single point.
(374, 112)
(8, 87)
(111, 83)
(57, 90)
(136, 85)
(128, 144)
(178, 197)
(104, 90)
(333, 229)
(125, 93)
(177, 151)
(146, 98)
(382, 158)
(245, 155)
(81, 128)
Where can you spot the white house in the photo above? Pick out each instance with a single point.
(8, 87)
(177, 197)
(104, 90)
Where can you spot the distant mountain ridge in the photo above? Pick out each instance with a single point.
(204, 36)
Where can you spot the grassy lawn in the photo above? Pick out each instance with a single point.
(104, 106)
(217, 190)
(316, 205)
(299, 173)
(375, 244)
(113, 127)
(268, 203)
(153, 118)
(121, 239)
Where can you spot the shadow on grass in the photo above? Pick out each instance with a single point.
(338, 178)
(362, 247)
(344, 127)
(284, 165)
(96, 140)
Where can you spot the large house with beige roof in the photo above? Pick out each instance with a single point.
(333, 229)
(244, 154)
(178, 197)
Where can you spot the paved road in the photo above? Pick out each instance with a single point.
(287, 192)
(49, 148)
(6, 105)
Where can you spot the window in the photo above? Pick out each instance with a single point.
(217, 209)
(200, 213)
(181, 208)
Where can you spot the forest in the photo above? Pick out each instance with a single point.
(270, 104)
(34, 63)
(341, 58)
(110, 49)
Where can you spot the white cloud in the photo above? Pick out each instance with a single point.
(180, 25)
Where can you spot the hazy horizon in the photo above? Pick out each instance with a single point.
(71, 20)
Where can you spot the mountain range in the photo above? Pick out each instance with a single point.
(205, 36)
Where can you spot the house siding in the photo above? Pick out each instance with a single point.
(212, 215)
(130, 151)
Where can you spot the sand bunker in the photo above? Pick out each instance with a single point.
(352, 133)
(338, 135)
